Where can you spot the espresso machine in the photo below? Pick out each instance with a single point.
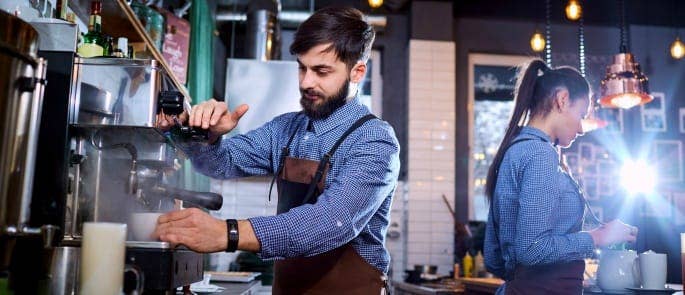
(121, 164)
(96, 154)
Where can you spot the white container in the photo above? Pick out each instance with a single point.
(102, 258)
(142, 225)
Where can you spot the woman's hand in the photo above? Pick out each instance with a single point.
(613, 232)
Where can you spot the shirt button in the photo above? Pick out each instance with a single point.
(306, 137)
(338, 223)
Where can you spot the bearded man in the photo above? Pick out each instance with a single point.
(335, 165)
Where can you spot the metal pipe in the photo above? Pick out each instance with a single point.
(293, 18)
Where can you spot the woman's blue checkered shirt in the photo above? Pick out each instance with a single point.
(355, 205)
(536, 207)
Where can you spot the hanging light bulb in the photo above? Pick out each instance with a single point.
(375, 3)
(677, 49)
(573, 10)
(537, 42)
(624, 85)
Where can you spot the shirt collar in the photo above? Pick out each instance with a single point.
(345, 114)
(528, 131)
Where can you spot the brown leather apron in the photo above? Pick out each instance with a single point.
(339, 271)
(557, 278)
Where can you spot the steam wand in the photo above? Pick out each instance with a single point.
(132, 183)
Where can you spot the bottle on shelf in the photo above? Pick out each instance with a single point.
(122, 48)
(61, 9)
(152, 20)
(478, 266)
(468, 265)
(94, 43)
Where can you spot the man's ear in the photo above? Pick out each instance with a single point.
(357, 73)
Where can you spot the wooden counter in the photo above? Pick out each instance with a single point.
(402, 288)
(479, 286)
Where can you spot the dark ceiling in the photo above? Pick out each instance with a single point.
(669, 13)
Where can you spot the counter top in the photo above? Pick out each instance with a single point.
(427, 288)
(249, 288)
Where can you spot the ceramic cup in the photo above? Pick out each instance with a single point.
(142, 225)
(653, 270)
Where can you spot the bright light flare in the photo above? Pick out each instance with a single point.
(638, 177)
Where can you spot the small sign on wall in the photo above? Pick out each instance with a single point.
(653, 114)
(176, 44)
(667, 158)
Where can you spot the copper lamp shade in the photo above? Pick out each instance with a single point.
(624, 85)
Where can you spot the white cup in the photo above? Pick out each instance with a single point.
(142, 225)
(653, 270)
(102, 258)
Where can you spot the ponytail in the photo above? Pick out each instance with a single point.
(525, 87)
(534, 95)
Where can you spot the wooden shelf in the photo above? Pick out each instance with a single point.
(119, 20)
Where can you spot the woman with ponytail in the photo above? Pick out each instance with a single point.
(534, 238)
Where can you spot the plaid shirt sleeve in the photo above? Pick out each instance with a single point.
(240, 155)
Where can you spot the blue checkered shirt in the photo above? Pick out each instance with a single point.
(536, 210)
(355, 204)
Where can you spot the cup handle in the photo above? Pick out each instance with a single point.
(140, 278)
(637, 275)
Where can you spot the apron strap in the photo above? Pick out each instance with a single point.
(327, 156)
(284, 153)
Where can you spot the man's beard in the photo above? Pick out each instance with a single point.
(329, 104)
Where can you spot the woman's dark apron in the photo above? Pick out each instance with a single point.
(556, 278)
(339, 271)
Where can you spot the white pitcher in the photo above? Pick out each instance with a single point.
(617, 271)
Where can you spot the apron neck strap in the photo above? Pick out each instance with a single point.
(327, 157)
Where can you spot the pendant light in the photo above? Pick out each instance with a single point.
(624, 85)
(537, 42)
(375, 3)
(677, 49)
(574, 10)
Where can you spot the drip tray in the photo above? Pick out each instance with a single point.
(148, 245)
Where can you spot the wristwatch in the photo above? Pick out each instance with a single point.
(232, 232)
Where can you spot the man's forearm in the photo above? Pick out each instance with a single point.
(247, 240)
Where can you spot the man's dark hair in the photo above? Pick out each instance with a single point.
(344, 27)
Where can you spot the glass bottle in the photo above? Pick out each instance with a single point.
(468, 265)
(94, 42)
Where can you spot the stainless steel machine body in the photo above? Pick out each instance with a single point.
(22, 76)
(123, 164)
(100, 155)
(22, 81)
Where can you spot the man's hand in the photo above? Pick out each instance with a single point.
(164, 121)
(193, 228)
(201, 232)
(215, 116)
